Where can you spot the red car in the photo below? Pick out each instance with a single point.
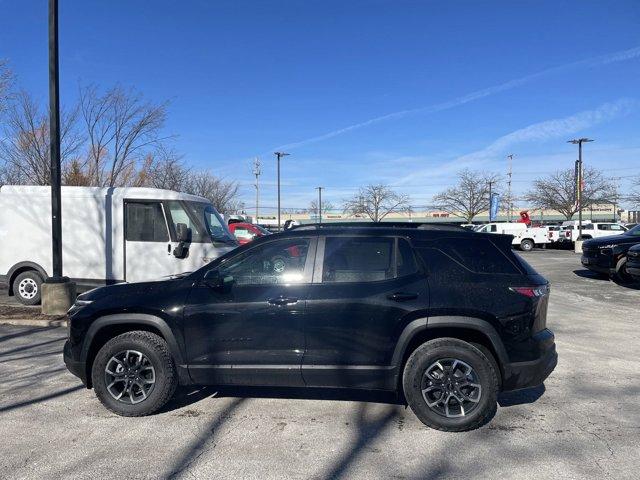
(245, 232)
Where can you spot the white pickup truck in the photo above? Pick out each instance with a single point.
(591, 230)
(524, 237)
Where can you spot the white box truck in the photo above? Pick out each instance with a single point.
(109, 235)
(524, 237)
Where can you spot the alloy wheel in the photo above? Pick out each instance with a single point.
(129, 376)
(451, 388)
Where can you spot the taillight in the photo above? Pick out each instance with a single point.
(531, 292)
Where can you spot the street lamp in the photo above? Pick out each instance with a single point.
(279, 155)
(579, 142)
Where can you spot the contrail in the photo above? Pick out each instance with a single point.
(615, 57)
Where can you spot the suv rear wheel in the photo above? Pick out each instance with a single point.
(451, 385)
(134, 374)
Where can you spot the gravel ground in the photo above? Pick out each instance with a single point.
(584, 423)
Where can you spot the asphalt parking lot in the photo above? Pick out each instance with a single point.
(584, 423)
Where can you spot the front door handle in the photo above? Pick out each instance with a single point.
(281, 301)
(402, 296)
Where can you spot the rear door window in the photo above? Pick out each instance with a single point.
(406, 262)
(358, 259)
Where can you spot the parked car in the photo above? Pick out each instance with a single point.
(608, 255)
(633, 262)
(110, 235)
(524, 237)
(443, 316)
(246, 232)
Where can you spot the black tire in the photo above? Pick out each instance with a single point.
(443, 349)
(153, 348)
(621, 274)
(526, 245)
(27, 287)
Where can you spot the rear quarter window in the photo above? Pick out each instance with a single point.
(478, 255)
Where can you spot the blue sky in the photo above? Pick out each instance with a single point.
(358, 92)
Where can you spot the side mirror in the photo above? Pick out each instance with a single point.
(183, 232)
(218, 281)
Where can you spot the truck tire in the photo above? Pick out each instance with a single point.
(621, 274)
(27, 287)
(450, 385)
(134, 374)
(526, 245)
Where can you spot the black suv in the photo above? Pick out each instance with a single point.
(633, 262)
(444, 316)
(608, 255)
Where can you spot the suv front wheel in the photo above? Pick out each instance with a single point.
(451, 385)
(134, 374)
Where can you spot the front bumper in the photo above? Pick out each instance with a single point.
(597, 264)
(77, 367)
(634, 271)
(527, 374)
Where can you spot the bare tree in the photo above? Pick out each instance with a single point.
(558, 191)
(327, 206)
(25, 149)
(6, 79)
(168, 170)
(469, 197)
(122, 129)
(221, 193)
(634, 195)
(376, 202)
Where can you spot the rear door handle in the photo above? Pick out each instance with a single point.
(402, 296)
(280, 301)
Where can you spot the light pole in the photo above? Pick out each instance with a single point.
(319, 204)
(58, 293)
(490, 199)
(579, 142)
(279, 155)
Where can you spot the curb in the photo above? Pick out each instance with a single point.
(31, 322)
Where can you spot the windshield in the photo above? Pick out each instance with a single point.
(634, 232)
(262, 230)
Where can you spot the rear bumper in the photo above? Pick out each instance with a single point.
(76, 367)
(520, 375)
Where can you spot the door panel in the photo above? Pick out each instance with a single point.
(148, 247)
(253, 333)
(351, 328)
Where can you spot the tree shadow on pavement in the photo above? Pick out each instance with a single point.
(203, 442)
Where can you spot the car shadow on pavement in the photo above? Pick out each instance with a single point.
(521, 397)
(584, 273)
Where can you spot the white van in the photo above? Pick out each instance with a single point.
(523, 237)
(592, 229)
(109, 235)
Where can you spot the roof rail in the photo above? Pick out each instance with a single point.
(412, 225)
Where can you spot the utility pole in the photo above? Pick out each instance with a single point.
(491, 182)
(58, 293)
(257, 172)
(319, 203)
(510, 157)
(579, 142)
(279, 155)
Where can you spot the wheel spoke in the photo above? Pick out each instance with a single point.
(129, 376)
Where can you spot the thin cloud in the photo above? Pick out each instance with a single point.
(620, 56)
